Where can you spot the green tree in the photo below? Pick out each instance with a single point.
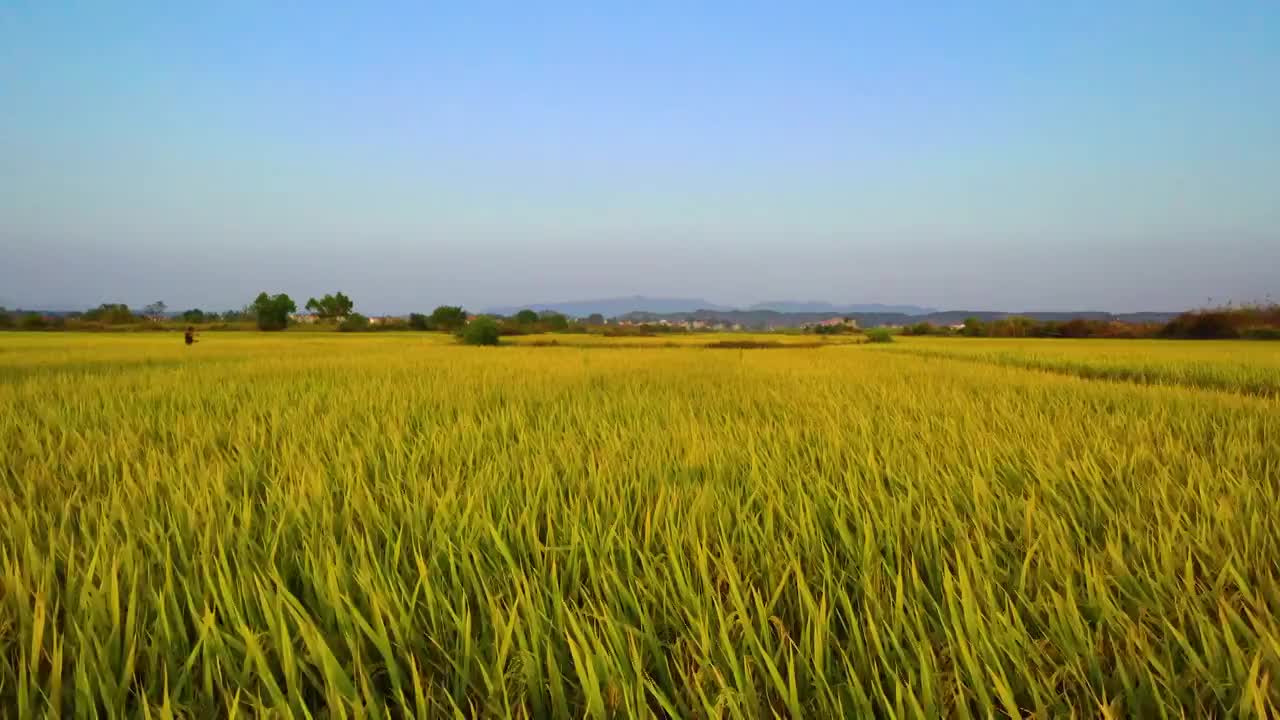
(526, 317)
(194, 315)
(6, 318)
(244, 314)
(595, 319)
(332, 307)
(481, 331)
(272, 311)
(973, 327)
(449, 318)
(355, 322)
(418, 321)
(111, 313)
(555, 322)
(155, 311)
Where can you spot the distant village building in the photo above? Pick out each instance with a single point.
(833, 322)
(305, 318)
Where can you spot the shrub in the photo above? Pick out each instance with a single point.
(1223, 323)
(355, 322)
(761, 345)
(272, 311)
(973, 327)
(34, 321)
(879, 335)
(921, 328)
(843, 329)
(481, 331)
(1261, 333)
(448, 318)
(554, 322)
(112, 314)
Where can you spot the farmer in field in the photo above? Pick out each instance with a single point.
(190, 335)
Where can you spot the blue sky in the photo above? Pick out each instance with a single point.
(1020, 156)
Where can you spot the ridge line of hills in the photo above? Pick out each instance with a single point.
(791, 313)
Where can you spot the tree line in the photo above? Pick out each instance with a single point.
(275, 312)
(1258, 322)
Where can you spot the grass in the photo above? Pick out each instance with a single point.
(1242, 367)
(390, 525)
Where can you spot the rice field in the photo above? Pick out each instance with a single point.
(398, 526)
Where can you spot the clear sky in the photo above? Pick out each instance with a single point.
(1015, 156)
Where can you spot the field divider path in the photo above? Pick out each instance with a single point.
(1153, 376)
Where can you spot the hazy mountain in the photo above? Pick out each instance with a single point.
(611, 307)
(766, 319)
(815, 306)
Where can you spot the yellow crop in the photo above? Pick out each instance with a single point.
(396, 525)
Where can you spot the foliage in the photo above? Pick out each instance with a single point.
(33, 321)
(1225, 323)
(879, 335)
(112, 314)
(449, 318)
(760, 345)
(481, 331)
(279, 528)
(155, 311)
(194, 316)
(922, 329)
(331, 307)
(554, 321)
(418, 321)
(526, 317)
(355, 322)
(840, 329)
(6, 319)
(272, 311)
(595, 319)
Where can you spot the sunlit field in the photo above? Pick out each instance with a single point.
(1237, 366)
(396, 525)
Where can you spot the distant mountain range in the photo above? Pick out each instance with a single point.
(616, 307)
(768, 319)
(814, 306)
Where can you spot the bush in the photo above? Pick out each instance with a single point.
(554, 322)
(418, 321)
(448, 318)
(272, 311)
(1249, 321)
(112, 314)
(355, 322)
(1261, 333)
(843, 329)
(921, 328)
(481, 331)
(34, 321)
(879, 335)
(1203, 325)
(761, 345)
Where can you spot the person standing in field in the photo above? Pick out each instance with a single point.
(190, 335)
